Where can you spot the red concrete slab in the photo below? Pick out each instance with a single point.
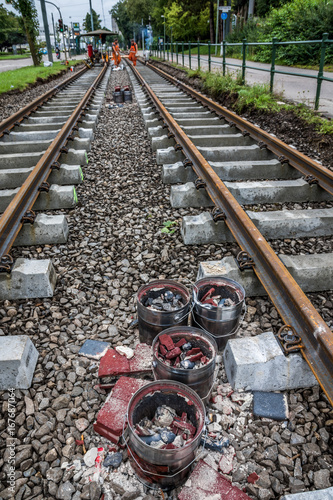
(114, 364)
(111, 419)
(126, 387)
(207, 481)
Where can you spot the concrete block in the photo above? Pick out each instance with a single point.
(18, 359)
(66, 175)
(46, 230)
(175, 173)
(313, 273)
(258, 364)
(202, 230)
(297, 190)
(326, 494)
(235, 153)
(201, 121)
(168, 155)
(57, 197)
(156, 131)
(219, 129)
(187, 114)
(162, 142)
(30, 278)
(186, 195)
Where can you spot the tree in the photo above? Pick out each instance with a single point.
(87, 22)
(29, 19)
(11, 32)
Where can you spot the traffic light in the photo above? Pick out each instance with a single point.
(61, 26)
(65, 28)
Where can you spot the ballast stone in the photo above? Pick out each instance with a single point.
(18, 358)
(30, 278)
(259, 364)
(326, 494)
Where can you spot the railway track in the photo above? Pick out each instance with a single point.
(213, 157)
(42, 150)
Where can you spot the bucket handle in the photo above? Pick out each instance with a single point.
(153, 473)
(227, 334)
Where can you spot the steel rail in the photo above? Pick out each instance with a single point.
(11, 220)
(15, 119)
(288, 298)
(301, 162)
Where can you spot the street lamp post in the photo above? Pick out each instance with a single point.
(164, 38)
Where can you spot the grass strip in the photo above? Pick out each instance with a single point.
(7, 57)
(23, 77)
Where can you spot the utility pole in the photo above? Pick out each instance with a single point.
(217, 25)
(251, 9)
(46, 31)
(91, 16)
(110, 12)
(54, 31)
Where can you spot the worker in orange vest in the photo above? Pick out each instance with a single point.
(133, 52)
(116, 53)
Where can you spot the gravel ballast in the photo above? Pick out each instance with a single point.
(115, 245)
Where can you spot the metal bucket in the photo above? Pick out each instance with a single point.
(221, 322)
(165, 469)
(150, 322)
(200, 380)
(118, 96)
(127, 96)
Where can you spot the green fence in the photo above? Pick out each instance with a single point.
(171, 51)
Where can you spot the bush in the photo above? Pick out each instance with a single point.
(297, 20)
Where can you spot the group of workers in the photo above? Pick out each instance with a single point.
(116, 53)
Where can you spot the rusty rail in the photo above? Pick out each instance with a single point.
(11, 220)
(301, 162)
(288, 298)
(15, 119)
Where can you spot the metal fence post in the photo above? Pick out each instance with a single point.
(167, 50)
(189, 54)
(209, 57)
(244, 60)
(321, 69)
(172, 52)
(273, 64)
(183, 54)
(223, 60)
(198, 54)
(177, 52)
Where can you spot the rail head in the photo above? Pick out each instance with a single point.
(288, 298)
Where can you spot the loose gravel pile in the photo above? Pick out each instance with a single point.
(115, 245)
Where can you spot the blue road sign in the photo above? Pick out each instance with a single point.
(224, 15)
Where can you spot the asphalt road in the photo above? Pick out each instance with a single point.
(10, 64)
(295, 88)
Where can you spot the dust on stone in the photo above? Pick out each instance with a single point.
(162, 299)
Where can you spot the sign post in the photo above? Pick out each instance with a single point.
(224, 15)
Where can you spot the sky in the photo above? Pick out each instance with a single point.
(72, 11)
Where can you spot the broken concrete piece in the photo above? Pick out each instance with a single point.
(90, 457)
(326, 494)
(94, 349)
(258, 364)
(206, 483)
(114, 364)
(111, 419)
(18, 358)
(125, 351)
(270, 405)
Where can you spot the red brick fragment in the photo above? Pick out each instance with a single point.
(252, 478)
(204, 360)
(163, 350)
(114, 364)
(177, 361)
(184, 426)
(111, 417)
(184, 417)
(195, 350)
(180, 343)
(170, 446)
(174, 353)
(207, 294)
(167, 341)
(196, 357)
